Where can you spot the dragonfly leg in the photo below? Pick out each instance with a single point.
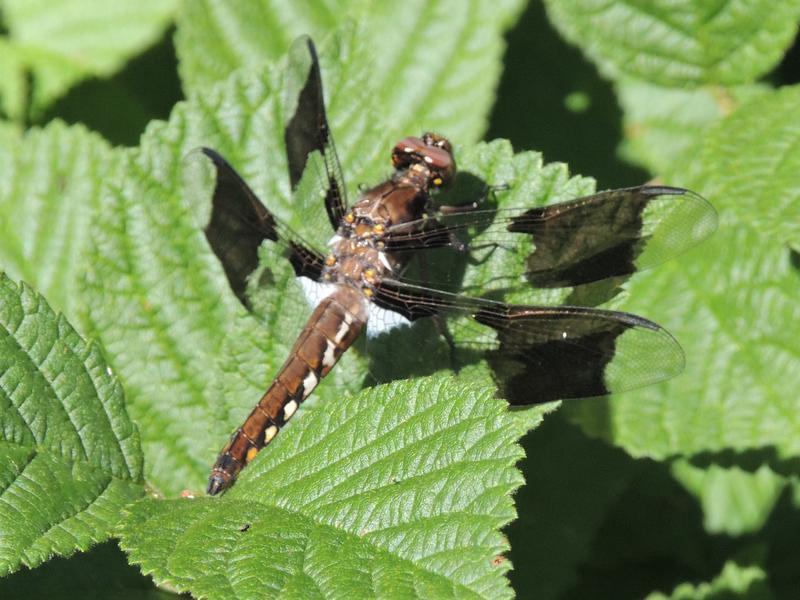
(489, 191)
(440, 324)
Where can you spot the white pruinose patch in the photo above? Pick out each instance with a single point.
(329, 358)
(315, 291)
(380, 320)
(335, 240)
(342, 331)
(309, 383)
(289, 410)
(270, 433)
(384, 261)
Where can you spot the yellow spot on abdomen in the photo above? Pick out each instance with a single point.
(251, 453)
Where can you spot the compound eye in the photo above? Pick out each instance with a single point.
(406, 151)
(441, 164)
(439, 141)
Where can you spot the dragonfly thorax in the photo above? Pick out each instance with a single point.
(358, 260)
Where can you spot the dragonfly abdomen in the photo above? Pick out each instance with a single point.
(331, 329)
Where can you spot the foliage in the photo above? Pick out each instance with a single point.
(372, 518)
(53, 46)
(685, 489)
(69, 455)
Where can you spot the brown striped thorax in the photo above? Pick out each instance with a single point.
(358, 255)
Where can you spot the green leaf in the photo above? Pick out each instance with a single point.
(733, 302)
(13, 87)
(429, 63)
(69, 455)
(212, 40)
(687, 42)
(50, 188)
(733, 582)
(65, 42)
(734, 501)
(358, 501)
(663, 123)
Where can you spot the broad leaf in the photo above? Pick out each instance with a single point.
(358, 501)
(69, 455)
(663, 123)
(213, 40)
(733, 302)
(64, 42)
(50, 182)
(687, 42)
(429, 63)
(734, 501)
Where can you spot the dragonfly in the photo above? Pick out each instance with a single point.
(363, 278)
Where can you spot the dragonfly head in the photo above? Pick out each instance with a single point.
(431, 151)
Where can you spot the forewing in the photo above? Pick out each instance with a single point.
(608, 234)
(307, 131)
(240, 223)
(612, 233)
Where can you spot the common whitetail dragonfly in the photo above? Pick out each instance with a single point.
(538, 353)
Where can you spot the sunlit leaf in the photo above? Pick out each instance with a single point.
(430, 63)
(69, 454)
(356, 502)
(687, 42)
(61, 43)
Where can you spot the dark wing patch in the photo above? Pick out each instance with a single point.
(607, 234)
(238, 225)
(539, 354)
(546, 354)
(307, 130)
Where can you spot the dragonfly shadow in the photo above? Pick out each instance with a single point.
(597, 292)
(444, 268)
(466, 188)
(749, 460)
(423, 347)
(408, 351)
(794, 259)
